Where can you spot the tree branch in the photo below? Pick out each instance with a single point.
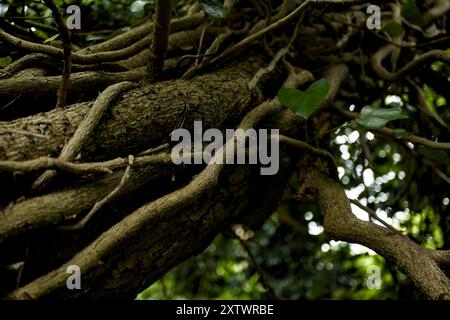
(141, 221)
(160, 40)
(390, 132)
(86, 128)
(341, 224)
(67, 52)
(98, 205)
(116, 49)
(385, 51)
(254, 36)
(105, 167)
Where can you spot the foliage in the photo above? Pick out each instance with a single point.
(5, 61)
(411, 12)
(375, 118)
(304, 103)
(214, 9)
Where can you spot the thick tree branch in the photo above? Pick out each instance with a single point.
(341, 224)
(160, 40)
(86, 128)
(142, 221)
(225, 90)
(132, 128)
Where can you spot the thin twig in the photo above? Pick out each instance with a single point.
(200, 44)
(11, 102)
(259, 270)
(422, 105)
(107, 56)
(67, 51)
(261, 72)
(158, 149)
(303, 146)
(106, 167)
(22, 266)
(391, 132)
(382, 53)
(211, 51)
(98, 205)
(374, 215)
(248, 40)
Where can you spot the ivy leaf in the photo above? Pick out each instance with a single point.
(214, 9)
(140, 7)
(412, 14)
(52, 38)
(375, 117)
(304, 103)
(5, 61)
(149, 5)
(394, 29)
(438, 155)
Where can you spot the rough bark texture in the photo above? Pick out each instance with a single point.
(140, 119)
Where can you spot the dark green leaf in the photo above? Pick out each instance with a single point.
(52, 38)
(412, 14)
(5, 61)
(214, 9)
(393, 29)
(375, 117)
(304, 103)
(138, 8)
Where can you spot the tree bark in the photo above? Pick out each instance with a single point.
(140, 119)
(220, 100)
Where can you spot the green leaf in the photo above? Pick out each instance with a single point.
(402, 133)
(412, 14)
(214, 9)
(394, 29)
(52, 38)
(150, 5)
(438, 155)
(375, 117)
(304, 103)
(5, 61)
(95, 37)
(138, 8)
